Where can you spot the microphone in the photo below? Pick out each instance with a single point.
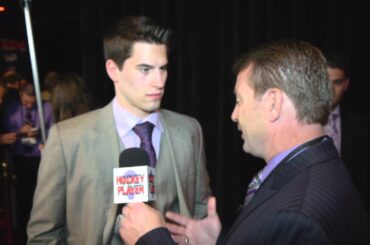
(133, 181)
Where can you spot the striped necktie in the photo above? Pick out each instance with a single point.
(28, 119)
(144, 131)
(253, 187)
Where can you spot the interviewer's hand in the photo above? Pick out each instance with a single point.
(138, 219)
(198, 232)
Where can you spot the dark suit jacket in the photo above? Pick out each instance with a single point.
(355, 149)
(309, 199)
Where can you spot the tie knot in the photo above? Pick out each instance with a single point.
(144, 130)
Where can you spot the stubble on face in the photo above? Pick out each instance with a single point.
(142, 79)
(243, 108)
(248, 113)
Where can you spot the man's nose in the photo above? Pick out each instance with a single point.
(234, 115)
(159, 78)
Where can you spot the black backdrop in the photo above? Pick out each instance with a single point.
(209, 34)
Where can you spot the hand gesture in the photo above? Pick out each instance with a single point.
(185, 230)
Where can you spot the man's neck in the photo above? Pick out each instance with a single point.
(287, 139)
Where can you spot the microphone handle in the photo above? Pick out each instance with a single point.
(121, 205)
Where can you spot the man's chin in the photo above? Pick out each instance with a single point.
(246, 148)
(152, 109)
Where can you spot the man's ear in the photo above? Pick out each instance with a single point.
(112, 70)
(274, 103)
(346, 83)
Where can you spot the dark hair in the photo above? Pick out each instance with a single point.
(337, 61)
(11, 77)
(50, 80)
(69, 97)
(119, 40)
(297, 68)
(28, 89)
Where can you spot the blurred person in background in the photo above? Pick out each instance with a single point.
(7, 197)
(2, 91)
(22, 117)
(5, 138)
(50, 80)
(12, 81)
(347, 128)
(69, 96)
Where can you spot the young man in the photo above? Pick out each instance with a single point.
(305, 194)
(74, 198)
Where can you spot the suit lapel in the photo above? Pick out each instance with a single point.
(169, 167)
(164, 167)
(290, 167)
(106, 143)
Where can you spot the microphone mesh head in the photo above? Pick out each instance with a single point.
(132, 157)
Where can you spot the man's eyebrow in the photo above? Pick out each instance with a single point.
(164, 66)
(144, 66)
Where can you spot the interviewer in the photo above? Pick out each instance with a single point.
(304, 195)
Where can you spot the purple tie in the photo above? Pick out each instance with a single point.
(332, 130)
(28, 118)
(144, 131)
(253, 187)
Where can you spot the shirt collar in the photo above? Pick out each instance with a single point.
(275, 161)
(336, 110)
(125, 120)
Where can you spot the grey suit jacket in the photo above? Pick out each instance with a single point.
(73, 201)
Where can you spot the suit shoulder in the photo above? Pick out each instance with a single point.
(176, 118)
(78, 124)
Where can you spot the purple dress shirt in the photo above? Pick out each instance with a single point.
(14, 119)
(125, 122)
(328, 127)
(275, 161)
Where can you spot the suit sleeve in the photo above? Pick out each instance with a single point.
(291, 228)
(47, 222)
(159, 236)
(202, 188)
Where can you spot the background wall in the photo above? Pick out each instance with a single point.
(208, 35)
